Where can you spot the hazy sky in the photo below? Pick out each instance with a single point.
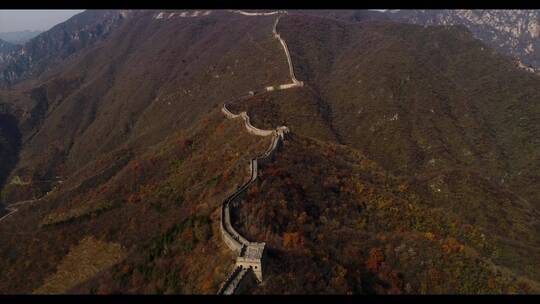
(20, 20)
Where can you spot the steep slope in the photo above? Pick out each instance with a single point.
(9, 144)
(436, 99)
(338, 223)
(6, 51)
(391, 181)
(439, 108)
(161, 207)
(300, 108)
(48, 49)
(512, 32)
(162, 75)
(101, 185)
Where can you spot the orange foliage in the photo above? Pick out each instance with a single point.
(126, 269)
(429, 236)
(525, 287)
(207, 283)
(396, 283)
(134, 199)
(221, 126)
(375, 259)
(292, 239)
(491, 282)
(253, 190)
(403, 187)
(452, 246)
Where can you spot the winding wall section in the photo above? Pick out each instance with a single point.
(12, 208)
(295, 82)
(251, 253)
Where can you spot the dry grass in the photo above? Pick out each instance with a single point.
(82, 262)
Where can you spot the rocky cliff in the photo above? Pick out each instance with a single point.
(513, 32)
(5, 49)
(51, 47)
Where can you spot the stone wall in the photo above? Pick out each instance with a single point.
(249, 263)
(226, 286)
(295, 81)
(246, 283)
(232, 243)
(253, 130)
(232, 238)
(228, 114)
(255, 14)
(12, 208)
(252, 257)
(251, 254)
(240, 281)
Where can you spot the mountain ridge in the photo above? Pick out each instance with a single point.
(400, 174)
(19, 37)
(512, 32)
(40, 53)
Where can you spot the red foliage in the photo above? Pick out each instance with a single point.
(134, 199)
(452, 246)
(375, 259)
(292, 239)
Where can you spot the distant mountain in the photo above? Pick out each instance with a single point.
(51, 47)
(6, 47)
(6, 51)
(347, 15)
(513, 32)
(20, 37)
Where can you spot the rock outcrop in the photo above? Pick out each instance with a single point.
(512, 32)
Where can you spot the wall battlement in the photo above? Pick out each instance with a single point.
(251, 255)
(232, 238)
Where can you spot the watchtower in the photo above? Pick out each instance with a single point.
(252, 258)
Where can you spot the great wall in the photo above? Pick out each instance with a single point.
(249, 263)
(251, 255)
(12, 208)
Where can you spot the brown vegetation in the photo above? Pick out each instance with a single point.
(82, 262)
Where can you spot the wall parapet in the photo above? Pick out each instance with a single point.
(251, 254)
(226, 284)
(295, 82)
(239, 280)
(255, 14)
(232, 238)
